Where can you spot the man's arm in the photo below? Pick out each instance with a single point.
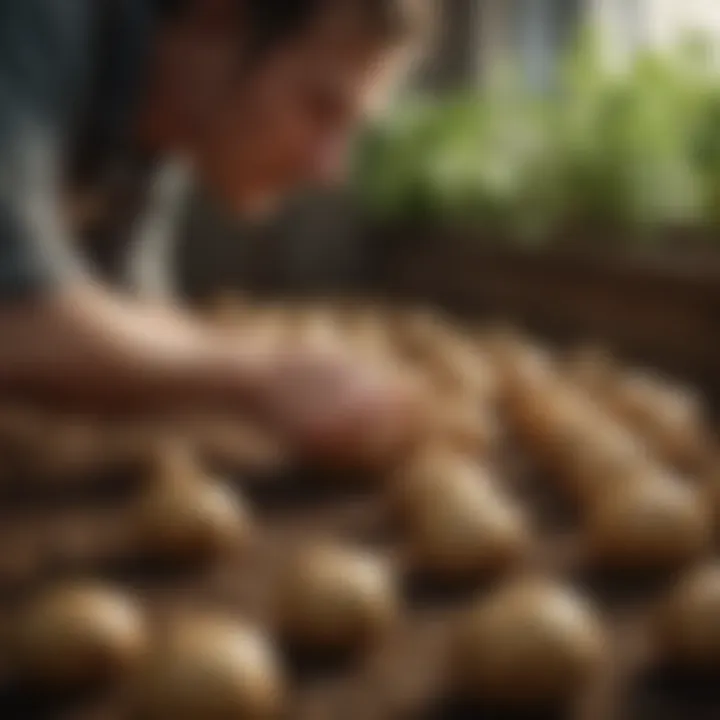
(60, 334)
(84, 347)
(63, 337)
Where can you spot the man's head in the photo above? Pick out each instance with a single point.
(263, 95)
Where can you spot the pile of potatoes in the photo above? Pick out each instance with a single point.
(637, 511)
(622, 447)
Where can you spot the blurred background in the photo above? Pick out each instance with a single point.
(555, 163)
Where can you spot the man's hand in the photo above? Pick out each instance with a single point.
(332, 409)
(104, 353)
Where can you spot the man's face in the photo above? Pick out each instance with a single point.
(287, 121)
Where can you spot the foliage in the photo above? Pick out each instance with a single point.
(632, 152)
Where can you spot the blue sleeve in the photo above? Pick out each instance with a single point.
(43, 58)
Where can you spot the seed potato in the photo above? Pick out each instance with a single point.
(530, 643)
(210, 669)
(650, 520)
(76, 634)
(333, 598)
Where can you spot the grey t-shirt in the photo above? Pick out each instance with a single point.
(70, 73)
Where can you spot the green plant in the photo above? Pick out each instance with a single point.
(633, 152)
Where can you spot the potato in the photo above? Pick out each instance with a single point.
(421, 477)
(519, 365)
(426, 473)
(547, 399)
(76, 634)
(570, 436)
(236, 445)
(185, 515)
(456, 421)
(671, 419)
(422, 334)
(592, 368)
(460, 367)
(650, 520)
(317, 329)
(467, 426)
(530, 643)
(458, 523)
(687, 623)
(210, 669)
(369, 337)
(593, 462)
(333, 598)
(545, 417)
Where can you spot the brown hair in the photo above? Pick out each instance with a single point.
(270, 22)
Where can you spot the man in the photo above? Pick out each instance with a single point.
(256, 97)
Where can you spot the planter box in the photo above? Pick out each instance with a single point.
(661, 308)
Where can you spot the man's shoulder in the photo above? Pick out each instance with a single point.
(44, 44)
(46, 19)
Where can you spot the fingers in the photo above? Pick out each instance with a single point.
(366, 427)
(334, 411)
